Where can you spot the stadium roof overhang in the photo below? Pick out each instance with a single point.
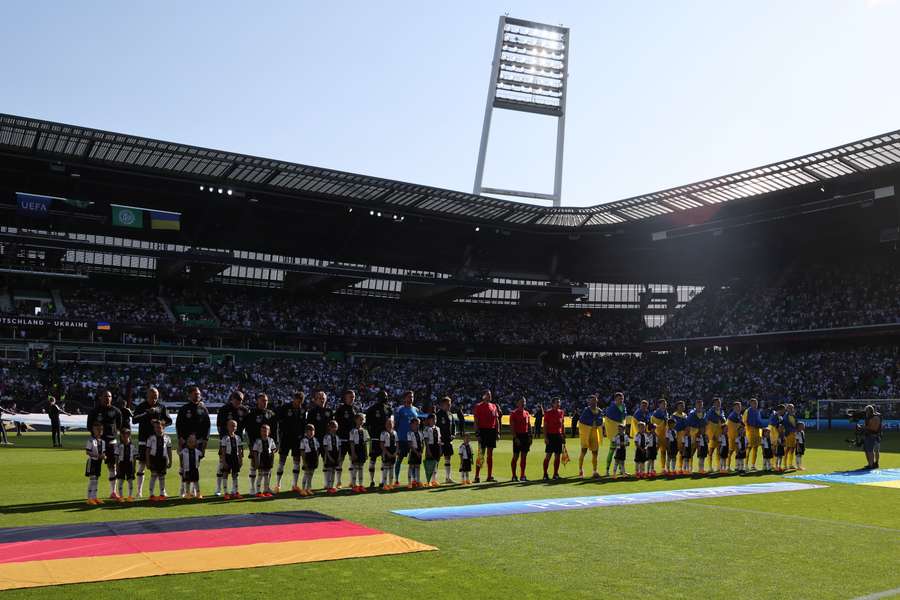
(680, 235)
(72, 144)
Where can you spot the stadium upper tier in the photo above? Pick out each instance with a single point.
(847, 293)
(838, 297)
(323, 316)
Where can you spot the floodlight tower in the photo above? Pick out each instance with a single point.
(529, 73)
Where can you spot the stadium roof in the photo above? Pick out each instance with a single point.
(71, 143)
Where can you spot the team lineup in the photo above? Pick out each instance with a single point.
(315, 434)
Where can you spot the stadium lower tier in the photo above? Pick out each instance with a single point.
(773, 377)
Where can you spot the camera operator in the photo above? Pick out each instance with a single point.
(872, 436)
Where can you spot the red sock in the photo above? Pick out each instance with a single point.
(490, 463)
(556, 465)
(522, 466)
(546, 464)
(512, 467)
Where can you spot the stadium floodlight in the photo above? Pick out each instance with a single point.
(529, 74)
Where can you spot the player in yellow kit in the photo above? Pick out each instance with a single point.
(790, 435)
(659, 418)
(681, 425)
(615, 415)
(734, 419)
(753, 426)
(714, 421)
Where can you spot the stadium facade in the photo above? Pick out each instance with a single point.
(92, 209)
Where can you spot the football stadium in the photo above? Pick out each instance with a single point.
(393, 389)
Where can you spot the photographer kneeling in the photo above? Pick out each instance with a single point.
(872, 436)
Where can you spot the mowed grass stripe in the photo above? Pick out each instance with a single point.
(829, 522)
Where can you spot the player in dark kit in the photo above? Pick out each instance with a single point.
(291, 427)
(193, 418)
(376, 415)
(148, 411)
(110, 418)
(319, 415)
(257, 417)
(345, 415)
(447, 426)
(233, 410)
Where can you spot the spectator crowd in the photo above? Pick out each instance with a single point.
(773, 377)
(852, 292)
(477, 324)
(844, 294)
(119, 306)
(331, 315)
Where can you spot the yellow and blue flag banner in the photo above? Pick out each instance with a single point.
(162, 219)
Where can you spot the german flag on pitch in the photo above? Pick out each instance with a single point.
(80, 553)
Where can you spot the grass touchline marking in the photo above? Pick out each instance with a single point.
(877, 595)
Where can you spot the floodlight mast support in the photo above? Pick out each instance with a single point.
(524, 105)
(489, 109)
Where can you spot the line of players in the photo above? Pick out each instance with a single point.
(306, 434)
(677, 438)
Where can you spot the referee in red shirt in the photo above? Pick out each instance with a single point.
(520, 423)
(487, 425)
(554, 437)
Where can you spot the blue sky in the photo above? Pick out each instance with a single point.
(661, 92)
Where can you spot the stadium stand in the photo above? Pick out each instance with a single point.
(114, 305)
(799, 376)
(777, 282)
(851, 293)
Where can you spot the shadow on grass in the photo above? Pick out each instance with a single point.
(175, 502)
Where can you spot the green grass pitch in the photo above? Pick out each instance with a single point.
(840, 542)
